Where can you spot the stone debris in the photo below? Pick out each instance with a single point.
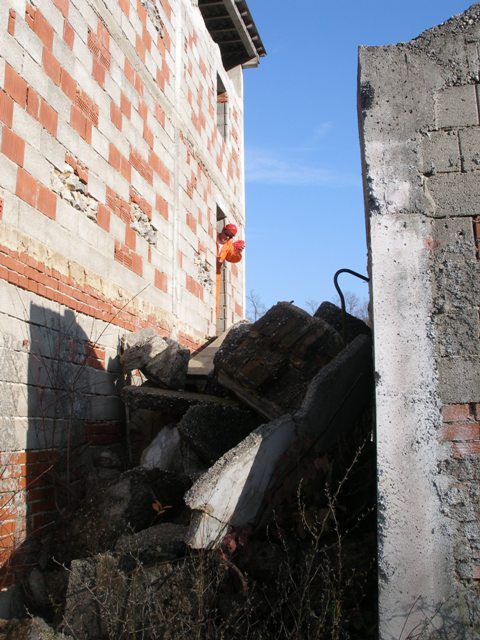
(163, 451)
(271, 366)
(29, 629)
(215, 463)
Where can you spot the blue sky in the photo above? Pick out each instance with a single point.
(305, 216)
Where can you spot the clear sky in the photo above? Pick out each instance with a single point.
(305, 216)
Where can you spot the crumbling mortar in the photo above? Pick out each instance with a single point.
(74, 191)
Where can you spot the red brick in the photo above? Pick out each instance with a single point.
(6, 109)
(27, 187)
(124, 6)
(48, 118)
(62, 6)
(13, 146)
(125, 106)
(68, 85)
(160, 115)
(78, 121)
(162, 206)
(456, 412)
(161, 280)
(51, 66)
(191, 222)
(1, 208)
(68, 34)
(15, 86)
(11, 22)
(33, 103)
(30, 15)
(103, 217)
(47, 202)
(98, 73)
(114, 157)
(43, 29)
(462, 449)
(130, 238)
(461, 431)
(129, 72)
(137, 264)
(148, 136)
(116, 115)
(126, 169)
(87, 106)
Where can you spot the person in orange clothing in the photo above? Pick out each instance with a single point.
(227, 251)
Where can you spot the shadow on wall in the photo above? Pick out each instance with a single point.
(49, 454)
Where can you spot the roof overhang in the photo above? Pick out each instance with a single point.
(231, 26)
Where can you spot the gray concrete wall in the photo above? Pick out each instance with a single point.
(420, 138)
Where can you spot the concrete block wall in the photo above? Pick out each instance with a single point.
(420, 136)
(111, 171)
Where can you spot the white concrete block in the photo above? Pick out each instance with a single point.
(67, 217)
(68, 137)
(36, 164)
(100, 143)
(11, 51)
(8, 174)
(59, 101)
(2, 72)
(78, 24)
(128, 29)
(35, 76)
(63, 53)
(28, 39)
(54, 152)
(111, 87)
(96, 187)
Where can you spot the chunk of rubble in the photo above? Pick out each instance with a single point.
(211, 430)
(232, 493)
(107, 595)
(333, 315)
(140, 347)
(29, 629)
(132, 502)
(174, 403)
(273, 362)
(163, 451)
(160, 542)
(162, 360)
(169, 368)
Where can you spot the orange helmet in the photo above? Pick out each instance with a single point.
(230, 230)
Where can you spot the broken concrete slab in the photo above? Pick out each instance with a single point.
(168, 368)
(231, 492)
(272, 364)
(333, 315)
(163, 451)
(211, 430)
(140, 348)
(175, 403)
(160, 542)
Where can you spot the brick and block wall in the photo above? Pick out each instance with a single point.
(112, 167)
(420, 130)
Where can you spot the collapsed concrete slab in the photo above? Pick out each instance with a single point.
(173, 403)
(273, 363)
(232, 492)
(211, 430)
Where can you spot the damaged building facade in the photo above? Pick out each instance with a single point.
(121, 152)
(420, 133)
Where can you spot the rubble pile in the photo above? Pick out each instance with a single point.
(228, 436)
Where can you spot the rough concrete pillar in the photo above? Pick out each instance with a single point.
(420, 138)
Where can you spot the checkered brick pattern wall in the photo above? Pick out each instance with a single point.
(111, 170)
